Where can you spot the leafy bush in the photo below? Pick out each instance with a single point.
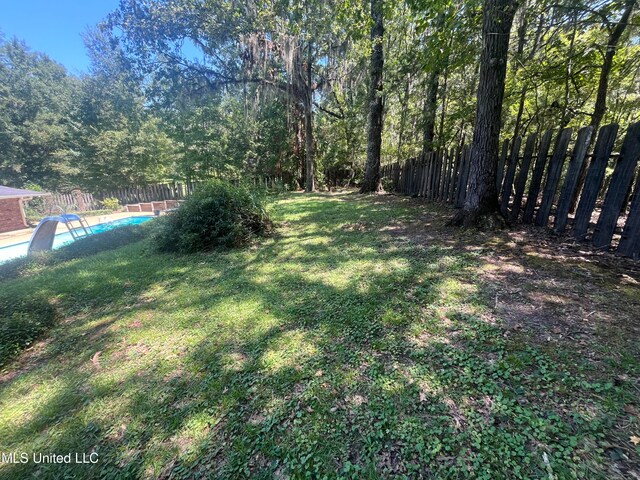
(217, 214)
(111, 203)
(36, 207)
(22, 320)
(82, 247)
(387, 184)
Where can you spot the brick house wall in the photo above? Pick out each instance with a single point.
(11, 215)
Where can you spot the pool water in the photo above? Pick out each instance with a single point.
(20, 249)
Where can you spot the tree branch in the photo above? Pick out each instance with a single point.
(329, 112)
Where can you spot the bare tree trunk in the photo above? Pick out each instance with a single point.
(431, 98)
(403, 116)
(443, 99)
(430, 107)
(371, 182)
(525, 87)
(564, 121)
(600, 107)
(481, 204)
(310, 184)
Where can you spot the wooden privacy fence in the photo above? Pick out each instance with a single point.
(143, 194)
(81, 200)
(540, 186)
(172, 191)
(150, 193)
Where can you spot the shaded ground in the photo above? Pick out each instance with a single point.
(366, 340)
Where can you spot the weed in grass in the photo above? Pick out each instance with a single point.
(327, 351)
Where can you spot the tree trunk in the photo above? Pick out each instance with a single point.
(566, 118)
(371, 182)
(443, 99)
(432, 85)
(600, 107)
(310, 184)
(404, 100)
(430, 107)
(525, 87)
(481, 204)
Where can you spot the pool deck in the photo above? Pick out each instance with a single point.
(19, 236)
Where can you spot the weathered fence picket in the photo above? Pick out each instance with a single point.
(83, 201)
(629, 245)
(617, 191)
(454, 176)
(501, 164)
(536, 179)
(464, 177)
(522, 177)
(571, 180)
(511, 173)
(553, 177)
(443, 175)
(447, 190)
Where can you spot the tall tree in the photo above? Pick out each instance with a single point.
(481, 203)
(600, 106)
(38, 124)
(371, 182)
(430, 109)
(432, 83)
(122, 143)
(280, 45)
(307, 94)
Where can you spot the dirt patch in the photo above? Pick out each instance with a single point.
(532, 279)
(29, 360)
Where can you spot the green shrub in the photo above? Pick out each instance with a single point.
(387, 184)
(111, 204)
(22, 320)
(217, 214)
(36, 207)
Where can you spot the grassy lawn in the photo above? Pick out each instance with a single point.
(364, 340)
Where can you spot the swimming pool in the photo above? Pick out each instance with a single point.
(20, 249)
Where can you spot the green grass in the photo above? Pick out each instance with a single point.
(344, 346)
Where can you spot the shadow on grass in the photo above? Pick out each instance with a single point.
(343, 345)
